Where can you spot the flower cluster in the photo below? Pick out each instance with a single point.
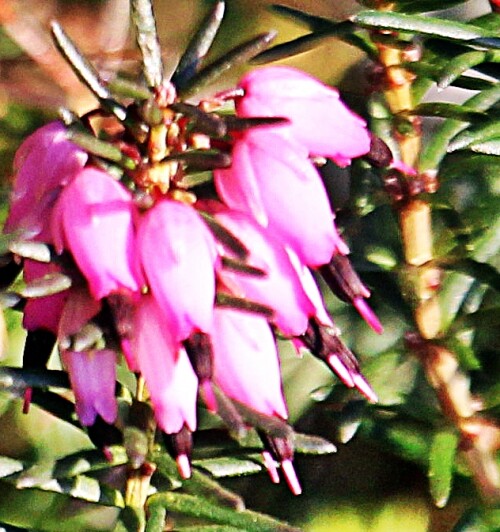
(193, 287)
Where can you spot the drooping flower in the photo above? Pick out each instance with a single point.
(178, 256)
(94, 219)
(319, 120)
(165, 367)
(93, 377)
(279, 287)
(246, 364)
(44, 164)
(272, 179)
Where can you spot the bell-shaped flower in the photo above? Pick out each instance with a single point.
(319, 120)
(92, 375)
(178, 255)
(272, 179)
(93, 219)
(165, 366)
(45, 162)
(246, 363)
(279, 288)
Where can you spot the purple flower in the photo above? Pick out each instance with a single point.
(94, 219)
(319, 120)
(246, 364)
(178, 255)
(45, 162)
(272, 179)
(93, 375)
(165, 367)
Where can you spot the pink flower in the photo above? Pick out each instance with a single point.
(43, 165)
(93, 218)
(42, 312)
(246, 364)
(178, 255)
(280, 288)
(93, 377)
(165, 367)
(319, 119)
(272, 179)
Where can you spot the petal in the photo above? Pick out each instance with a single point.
(45, 162)
(280, 288)
(93, 218)
(169, 376)
(42, 312)
(320, 121)
(178, 255)
(246, 364)
(93, 377)
(293, 195)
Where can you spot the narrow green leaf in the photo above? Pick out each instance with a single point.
(457, 66)
(9, 466)
(31, 250)
(314, 23)
(488, 147)
(445, 29)
(49, 284)
(307, 444)
(475, 135)
(479, 271)
(441, 463)
(147, 39)
(199, 45)
(125, 88)
(448, 110)
(230, 466)
(157, 515)
(434, 151)
(86, 72)
(201, 509)
(100, 148)
(237, 56)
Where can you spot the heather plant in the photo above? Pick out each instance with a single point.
(174, 248)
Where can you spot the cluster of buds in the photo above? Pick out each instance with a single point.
(192, 281)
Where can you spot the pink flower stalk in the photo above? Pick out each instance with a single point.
(45, 162)
(93, 377)
(178, 255)
(280, 288)
(246, 363)
(319, 120)
(42, 312)
(165, 367)
(272, 179)
(93, 218)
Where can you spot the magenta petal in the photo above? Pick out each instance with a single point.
(93, 377)
(42, 312)
(246, 364)
(178, 255)
(166, 369)
(320, 121)
(80, 307)
(45, 162)
(93, 218)
(292, 194)
(280, 288)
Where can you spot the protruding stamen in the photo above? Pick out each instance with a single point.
(368, 314)
(270, 465)
(364, 388)
(183, 466)
(291, 477)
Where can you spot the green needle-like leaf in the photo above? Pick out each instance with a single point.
(86, 72)
(448, 110)
(442, 459)
(445, 29)
(147, 39)
(475, 135)
(238, 56)
(199, 45)
(457, 66)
